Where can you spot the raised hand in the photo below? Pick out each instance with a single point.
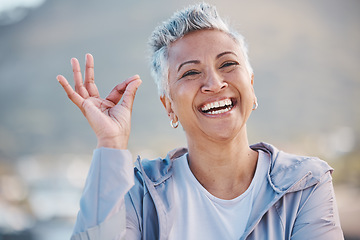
(110, 121)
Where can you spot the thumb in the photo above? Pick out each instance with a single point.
(129, 94)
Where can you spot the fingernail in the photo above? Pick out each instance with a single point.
(87, 56)
(135, 77)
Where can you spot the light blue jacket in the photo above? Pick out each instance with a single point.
(297, 201)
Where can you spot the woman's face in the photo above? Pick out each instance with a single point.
(210, 89)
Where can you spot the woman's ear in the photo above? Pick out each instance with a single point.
(252, 83)
(167, 105)
(252, 88)
(174, 121)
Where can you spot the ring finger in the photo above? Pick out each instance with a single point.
(79, 86)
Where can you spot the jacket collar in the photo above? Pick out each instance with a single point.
(287, 172)
(155, 173)
(159, 170)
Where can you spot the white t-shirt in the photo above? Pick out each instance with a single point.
(200, 215)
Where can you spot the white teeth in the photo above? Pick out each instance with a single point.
(219, 111)
(222, 103)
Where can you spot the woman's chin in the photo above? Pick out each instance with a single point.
(214, 133)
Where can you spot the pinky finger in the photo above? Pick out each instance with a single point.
(73, 96)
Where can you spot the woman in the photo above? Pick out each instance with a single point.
(216, 188)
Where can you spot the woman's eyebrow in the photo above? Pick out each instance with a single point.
(224, 53)
(197, 61)
(188, 62)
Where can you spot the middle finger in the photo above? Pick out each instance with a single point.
(89, 76)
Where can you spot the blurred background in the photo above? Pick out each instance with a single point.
(305, 56)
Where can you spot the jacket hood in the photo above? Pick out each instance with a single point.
(288, 170)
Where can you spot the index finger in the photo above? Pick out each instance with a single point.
(116, 94)
(129, 94)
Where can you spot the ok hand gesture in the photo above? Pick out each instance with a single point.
(110, 121)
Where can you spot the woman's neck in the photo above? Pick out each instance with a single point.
(224, 168)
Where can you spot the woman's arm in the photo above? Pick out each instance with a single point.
(111, 175)
(102, 206)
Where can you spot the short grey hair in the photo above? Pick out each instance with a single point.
(196, 17)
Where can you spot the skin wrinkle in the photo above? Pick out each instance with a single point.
(71, 95)
(198, 62)
(102, 103)
(91, 81)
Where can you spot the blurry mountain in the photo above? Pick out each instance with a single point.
(13, 11)
(305, 55)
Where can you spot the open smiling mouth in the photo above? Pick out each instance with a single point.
(217, 107)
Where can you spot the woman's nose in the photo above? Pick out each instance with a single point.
(214, 83)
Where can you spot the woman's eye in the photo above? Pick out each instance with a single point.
(190, 73)
(228, 64)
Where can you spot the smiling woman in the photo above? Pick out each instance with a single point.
(218, 187)
(211, 71)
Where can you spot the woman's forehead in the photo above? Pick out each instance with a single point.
(202, 43)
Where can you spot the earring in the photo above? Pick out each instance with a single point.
(255, 106)
(174, 124)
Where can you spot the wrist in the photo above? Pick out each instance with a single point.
(112, 143)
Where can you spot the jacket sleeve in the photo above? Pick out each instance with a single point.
(318, 217)
(102, 213)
